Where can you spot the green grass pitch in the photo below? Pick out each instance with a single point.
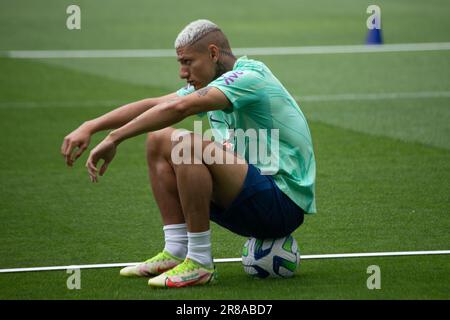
(383, 165)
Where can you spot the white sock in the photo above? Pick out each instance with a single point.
(199, 247)
(176, 239)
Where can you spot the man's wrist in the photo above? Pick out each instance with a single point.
(89, 126)
(115, 137)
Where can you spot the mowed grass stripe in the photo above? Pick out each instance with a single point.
(362, 223)
(375, 96)
(363, 206)
(306, 98)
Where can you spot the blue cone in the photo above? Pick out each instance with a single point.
(374, 36)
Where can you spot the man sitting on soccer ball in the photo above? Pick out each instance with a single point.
(251, 197)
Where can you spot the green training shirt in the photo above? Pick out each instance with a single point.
(259, 101)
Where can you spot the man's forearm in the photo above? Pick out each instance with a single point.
(158, 117)
(120, 116)
(171, 111)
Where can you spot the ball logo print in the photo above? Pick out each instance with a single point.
(271, 257)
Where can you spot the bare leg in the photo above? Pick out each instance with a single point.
(162, 176)
(195, 185)
(183, 192)
(199, 184)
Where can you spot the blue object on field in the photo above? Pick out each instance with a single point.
(374, 36)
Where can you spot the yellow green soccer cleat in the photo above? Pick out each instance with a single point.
(160, 263)
(188, 273)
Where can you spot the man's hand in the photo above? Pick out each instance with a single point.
(79, 138)
(105, 150)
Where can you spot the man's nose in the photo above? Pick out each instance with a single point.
(184, 74)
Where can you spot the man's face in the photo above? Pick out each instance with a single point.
(198, 68)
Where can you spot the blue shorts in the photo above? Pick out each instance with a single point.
(261, 210)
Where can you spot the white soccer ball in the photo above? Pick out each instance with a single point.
(271, 257)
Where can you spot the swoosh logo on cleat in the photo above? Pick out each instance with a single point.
(180, 284)
(162, 269)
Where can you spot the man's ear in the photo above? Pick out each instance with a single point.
(214, 52)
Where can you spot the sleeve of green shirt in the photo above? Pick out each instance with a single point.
(242, 88)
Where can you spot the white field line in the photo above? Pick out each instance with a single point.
(271, 51)
(224, 260)
(375, 96)
(313, 98)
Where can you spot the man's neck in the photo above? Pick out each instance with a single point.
(225, 64)
(228, 62)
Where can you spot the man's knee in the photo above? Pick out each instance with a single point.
(159, 142)
(187, 148)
